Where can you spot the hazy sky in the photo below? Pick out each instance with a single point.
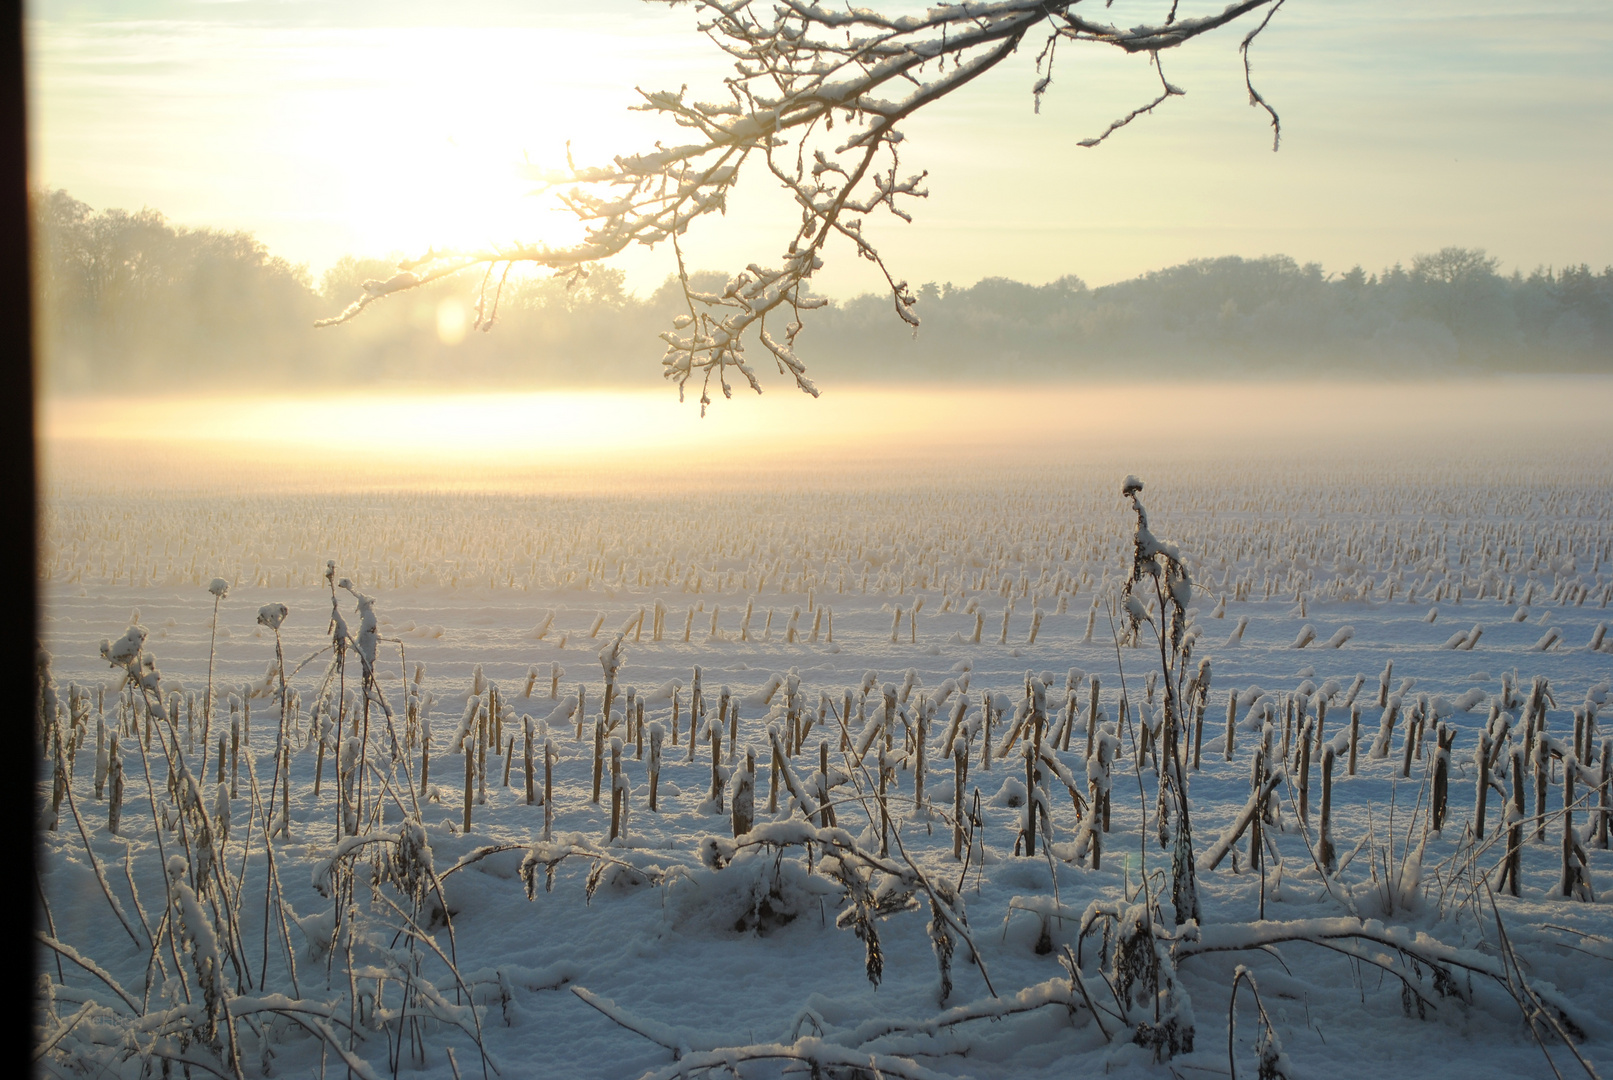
(371, 127)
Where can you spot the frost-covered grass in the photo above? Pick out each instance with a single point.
(679, 947)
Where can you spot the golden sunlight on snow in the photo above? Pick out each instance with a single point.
(590, 440)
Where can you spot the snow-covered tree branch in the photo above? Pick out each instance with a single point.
(800, 70)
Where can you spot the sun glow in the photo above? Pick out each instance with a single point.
(346, 140)
(450, 165)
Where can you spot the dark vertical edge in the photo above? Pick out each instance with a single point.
(18, 612)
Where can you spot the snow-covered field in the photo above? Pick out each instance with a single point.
(669, 948)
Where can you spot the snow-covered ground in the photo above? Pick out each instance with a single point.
(1465, 579)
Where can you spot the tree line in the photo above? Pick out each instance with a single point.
(128, 301)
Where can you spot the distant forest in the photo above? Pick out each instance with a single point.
(129, 302)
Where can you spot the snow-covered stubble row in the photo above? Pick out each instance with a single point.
(954, 596)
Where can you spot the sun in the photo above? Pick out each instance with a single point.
(450, 164)
(333, 140)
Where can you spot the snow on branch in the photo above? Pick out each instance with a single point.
(799, 70)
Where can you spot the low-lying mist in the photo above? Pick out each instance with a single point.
(636, 442)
